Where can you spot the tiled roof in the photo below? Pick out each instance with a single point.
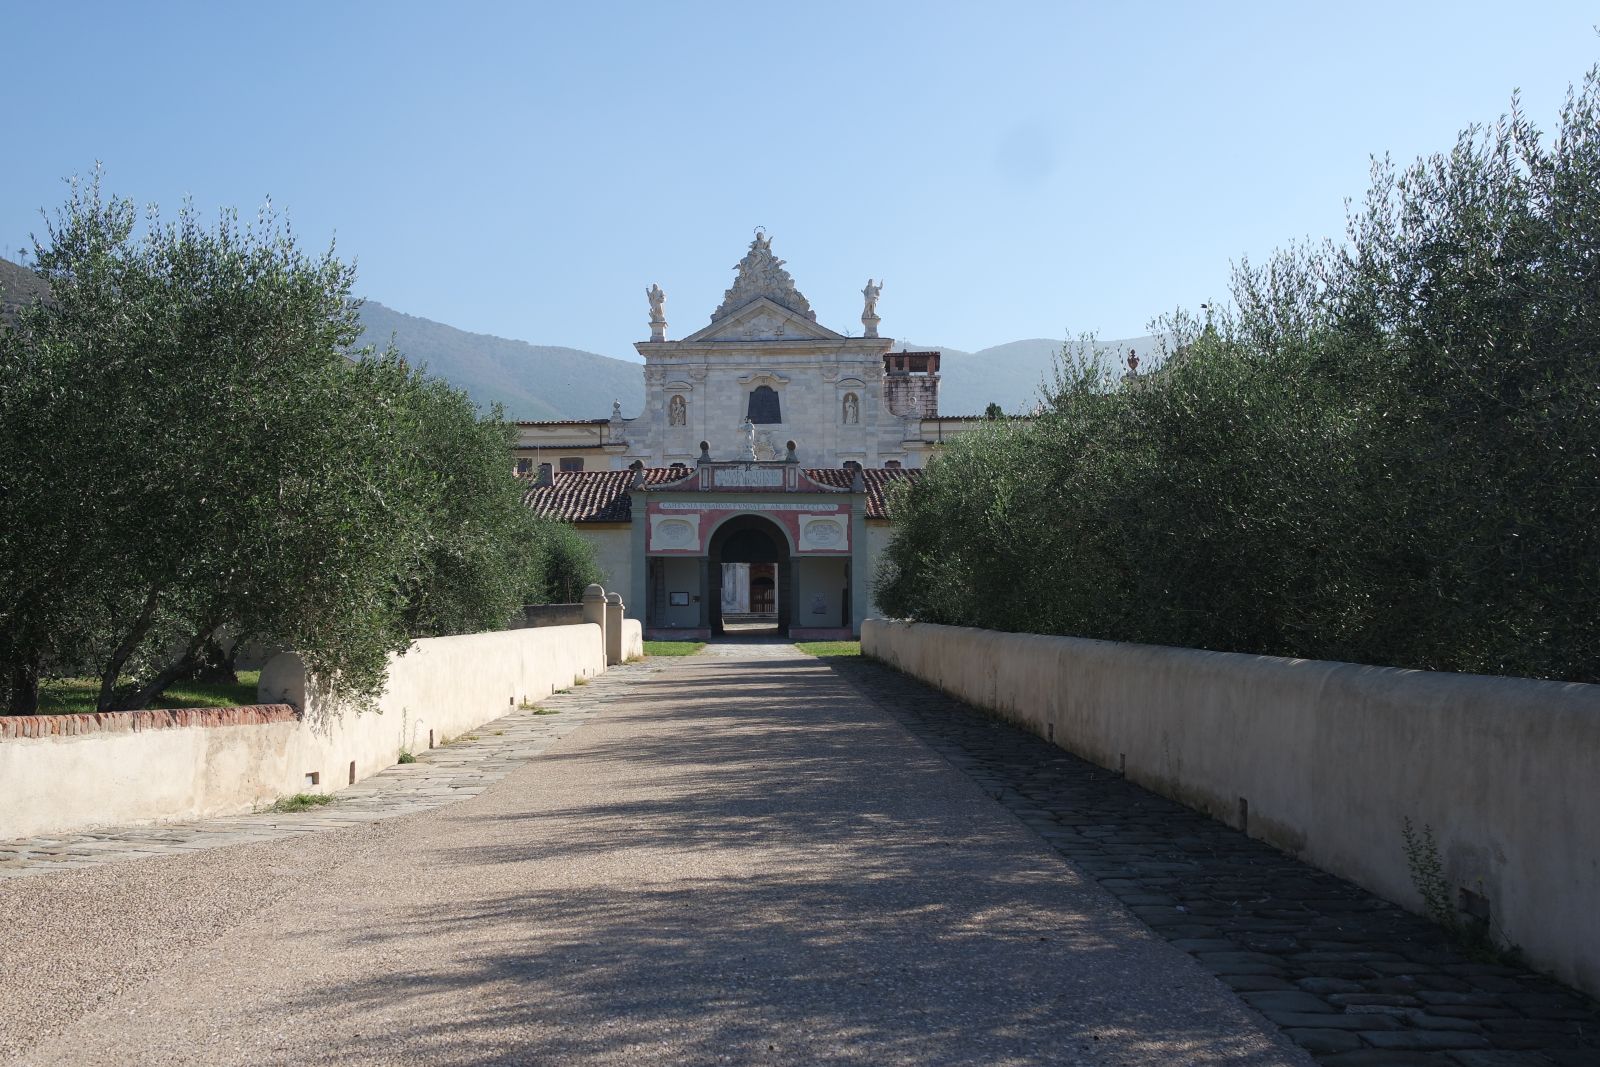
(877, 481)
(592, 496)
(561, 422)
(602, 496)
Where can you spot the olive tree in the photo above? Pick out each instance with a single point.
(191, 445)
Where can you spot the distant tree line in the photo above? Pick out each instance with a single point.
(191, 454)
(1383, 451)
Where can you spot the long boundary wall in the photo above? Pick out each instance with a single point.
(69, 773)
(1324, 760)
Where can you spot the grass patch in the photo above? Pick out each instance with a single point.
(547, 711)
(77, 696)
(301, 802)
(406, 756)
(672, 648)
(829, 649)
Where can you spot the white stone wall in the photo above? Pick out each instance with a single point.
(1330, 757)
(443, 686)
(811, 395)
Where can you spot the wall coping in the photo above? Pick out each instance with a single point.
(20, 727)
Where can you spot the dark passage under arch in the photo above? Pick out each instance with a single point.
(750, 539)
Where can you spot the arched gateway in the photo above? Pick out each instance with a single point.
(757, 542)
(785, 536)
(765, 416)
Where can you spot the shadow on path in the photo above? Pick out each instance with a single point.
(1352, 978)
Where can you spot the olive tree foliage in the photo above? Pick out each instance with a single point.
(562, 564)
(188, 446)
(1384, 450)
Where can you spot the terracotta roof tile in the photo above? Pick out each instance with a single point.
(602, 496)
(877, 481)
(591, 496)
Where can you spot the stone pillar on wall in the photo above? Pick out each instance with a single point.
(613, 629)
(594, 610)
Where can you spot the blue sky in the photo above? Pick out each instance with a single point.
(1011, 170)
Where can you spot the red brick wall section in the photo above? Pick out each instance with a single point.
(120, 722)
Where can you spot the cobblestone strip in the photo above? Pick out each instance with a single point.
(441, 776)
(1353, 979)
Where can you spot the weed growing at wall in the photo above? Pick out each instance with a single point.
(1472, 936)
(301, 802)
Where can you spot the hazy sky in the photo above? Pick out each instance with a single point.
(1011, 170)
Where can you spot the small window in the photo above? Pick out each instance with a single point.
(764, 406)
(524, 467)
(544, 470)
(892, 465)
(569, 464)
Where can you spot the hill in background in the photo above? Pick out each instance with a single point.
(19, 286)
(529, 381)
(1011, 374)
(547, 382)
(552, 382)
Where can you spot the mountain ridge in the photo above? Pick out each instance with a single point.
(534, 382)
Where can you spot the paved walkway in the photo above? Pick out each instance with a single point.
(464, 768)
(1354, 979)
(738, 858)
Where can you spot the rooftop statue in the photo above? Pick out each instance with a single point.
(658, 318)
(870, 293)
(760, 273)
(748, 429)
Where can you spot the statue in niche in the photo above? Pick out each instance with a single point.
(870, 294)
(852, 409)
(677, 412)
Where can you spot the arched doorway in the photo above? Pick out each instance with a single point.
(754, 540)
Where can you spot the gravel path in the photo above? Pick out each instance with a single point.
(440, 776)
(739, 859)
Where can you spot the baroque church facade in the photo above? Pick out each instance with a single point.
(753, 487)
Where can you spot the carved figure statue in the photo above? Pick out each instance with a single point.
(657, 299)
(748, 429)
(852, 409)
(870, 294)
(677, 412)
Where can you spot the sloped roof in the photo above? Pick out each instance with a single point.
(602, 496)
(877, 481)
(591, 496)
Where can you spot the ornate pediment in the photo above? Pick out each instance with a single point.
(764, 319)
(760, 273)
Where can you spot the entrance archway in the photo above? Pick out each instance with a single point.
(750, 539)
